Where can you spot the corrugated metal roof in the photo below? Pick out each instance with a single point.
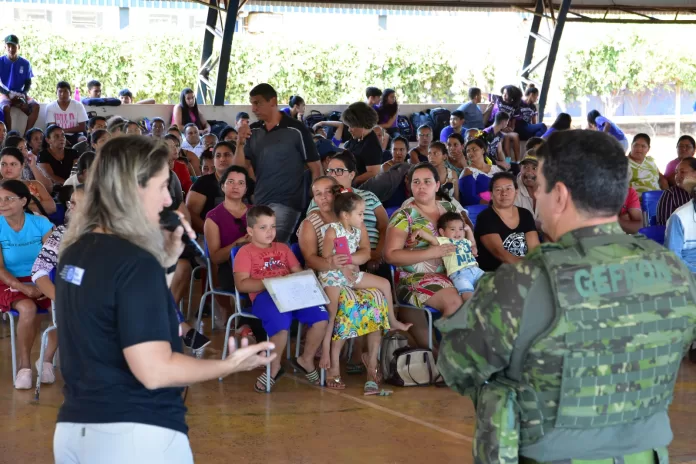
(405, 7)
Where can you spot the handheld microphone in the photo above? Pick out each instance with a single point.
(169, 220)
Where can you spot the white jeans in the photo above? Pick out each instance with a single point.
(118, 443)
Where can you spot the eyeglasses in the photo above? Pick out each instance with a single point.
(8, 199)
(337, 171)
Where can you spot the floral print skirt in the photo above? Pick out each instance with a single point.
(360, 312)
(417, 288)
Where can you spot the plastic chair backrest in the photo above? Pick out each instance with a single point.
(648, 203)
(654, 233)
(295, 247)
(233, 253)
(391, 210)
(474, 210)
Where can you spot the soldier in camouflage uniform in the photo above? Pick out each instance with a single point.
(572, 354)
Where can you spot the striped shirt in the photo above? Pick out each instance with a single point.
(669, 201)
(371, 204)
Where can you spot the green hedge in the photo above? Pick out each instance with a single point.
(159, 66)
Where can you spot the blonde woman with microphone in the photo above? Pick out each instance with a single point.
(119, 340)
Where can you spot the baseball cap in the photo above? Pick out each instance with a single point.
(125, 93)
(529, 159)
(12, 39)
(326, 148)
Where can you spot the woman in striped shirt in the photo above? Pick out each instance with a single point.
(342, 168)
(676, 196)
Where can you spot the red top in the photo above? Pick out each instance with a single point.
(278, 260)
(183, 174)
(632, 202)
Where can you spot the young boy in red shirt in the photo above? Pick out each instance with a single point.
(263, 258)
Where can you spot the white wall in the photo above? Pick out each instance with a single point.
(220, 113)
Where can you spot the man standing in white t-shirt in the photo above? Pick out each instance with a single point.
(66, 113)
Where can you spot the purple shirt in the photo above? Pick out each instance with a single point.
(613, 128)
(231, 228)
(384, 117)
(671, 167)
(500, 105)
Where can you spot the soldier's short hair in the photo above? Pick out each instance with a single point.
(592, 165)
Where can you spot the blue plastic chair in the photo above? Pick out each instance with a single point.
(210, 292)
(648, 203)
(655, 233)
(474, 210)
(239, 312)
(391, 210)
(430, 313)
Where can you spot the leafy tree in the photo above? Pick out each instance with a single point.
(608, 70)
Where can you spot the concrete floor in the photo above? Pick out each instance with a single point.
(299, 423)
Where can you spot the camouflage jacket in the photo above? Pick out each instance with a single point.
(482, 352)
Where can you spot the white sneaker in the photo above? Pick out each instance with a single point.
(23, 380)
(47, 376)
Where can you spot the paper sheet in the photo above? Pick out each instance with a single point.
(296, 291)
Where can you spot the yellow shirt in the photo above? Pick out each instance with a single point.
(460, 259)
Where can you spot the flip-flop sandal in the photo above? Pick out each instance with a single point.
(372, 389)
(335, 383)
(354, 368)
(378, 374)
(262, 380)
(312, 377)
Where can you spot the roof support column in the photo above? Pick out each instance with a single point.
(553, 52)
(226, 51)
(531, 41)
(208, 39)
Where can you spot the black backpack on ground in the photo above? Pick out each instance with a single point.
(406, 128)
(441, 119)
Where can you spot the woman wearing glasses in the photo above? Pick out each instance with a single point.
(21, 234)
(342, 167)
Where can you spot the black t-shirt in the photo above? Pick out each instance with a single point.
(368, 152)
(175, 191)
(209, 187)
(110, 295)
(514, 241)
(61, 168)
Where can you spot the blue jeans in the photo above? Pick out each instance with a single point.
(465, 280)
(527, 130)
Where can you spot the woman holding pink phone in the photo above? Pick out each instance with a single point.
(349, 237)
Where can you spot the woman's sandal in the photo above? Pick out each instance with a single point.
(372, 386)
(335, 383)
(312, 377)
(262, 381)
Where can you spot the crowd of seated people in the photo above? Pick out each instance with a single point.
(260, 186)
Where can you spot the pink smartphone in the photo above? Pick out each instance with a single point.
(341, 247)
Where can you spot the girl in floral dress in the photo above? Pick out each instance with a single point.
(350, 208)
